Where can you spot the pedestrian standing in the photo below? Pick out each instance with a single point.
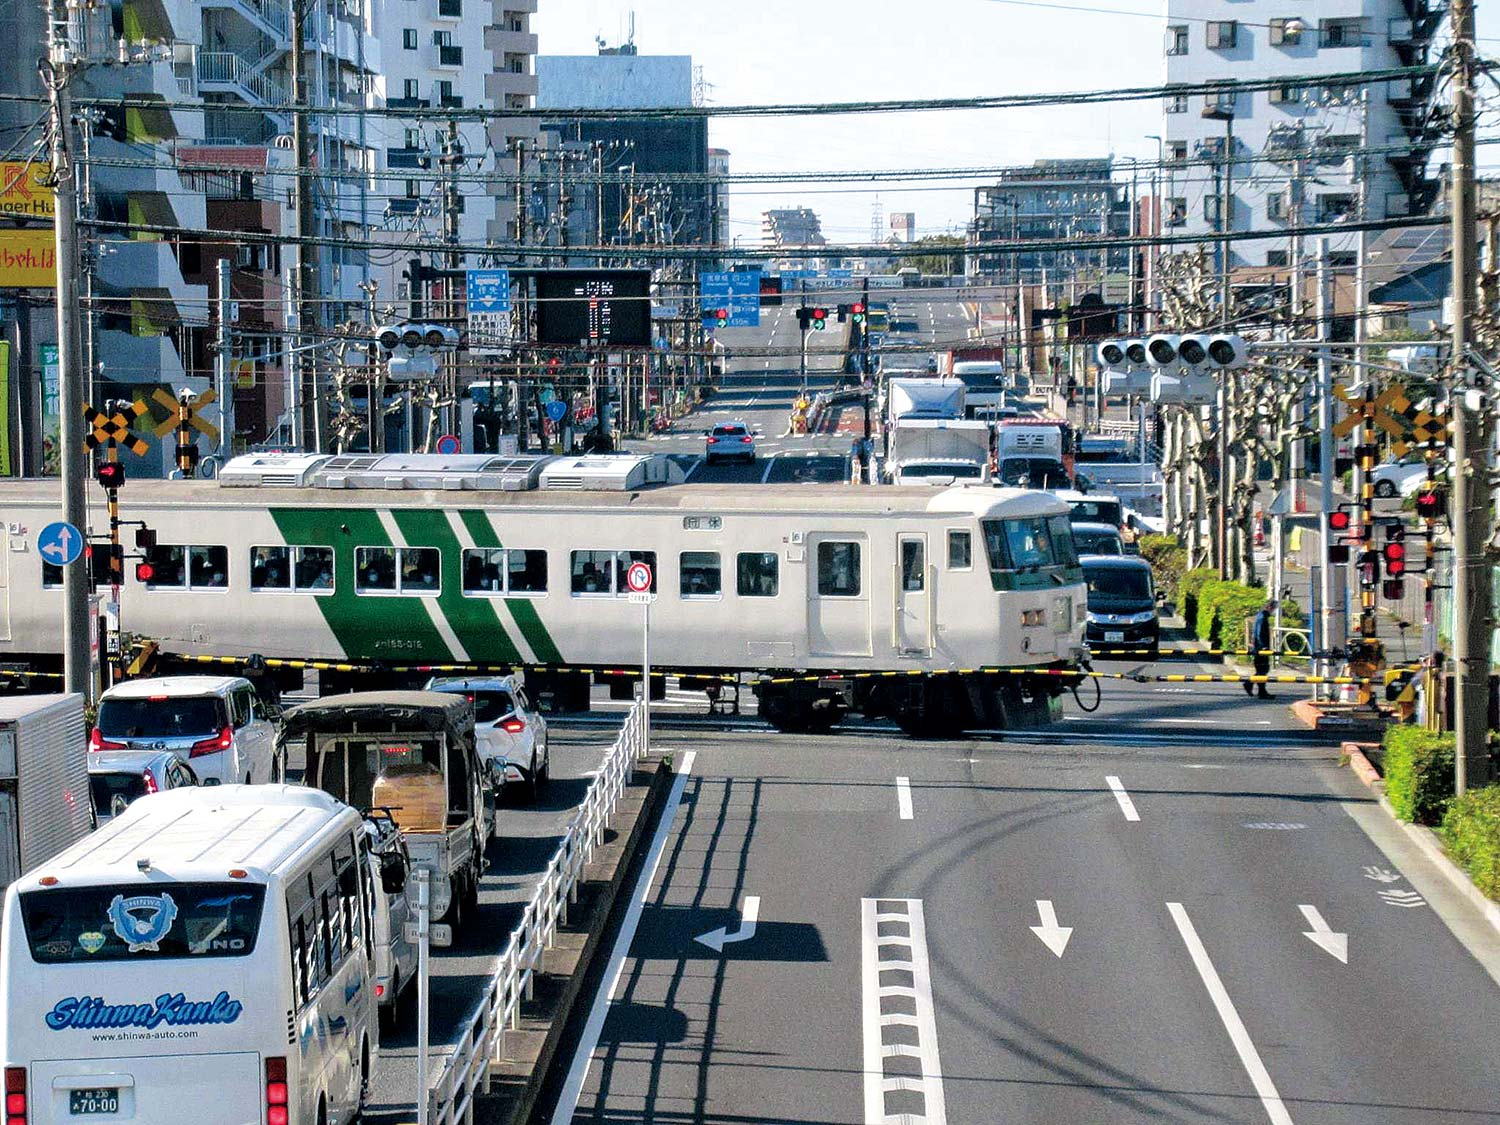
(1260, 645)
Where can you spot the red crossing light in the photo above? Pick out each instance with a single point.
(1338, 521)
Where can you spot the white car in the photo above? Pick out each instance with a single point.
(117, 777)
(217, 724)
(1400, 478)
(729, 439)
(511, 734)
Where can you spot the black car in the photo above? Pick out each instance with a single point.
(1122, 606)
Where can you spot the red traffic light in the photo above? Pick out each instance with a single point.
(857, 308)
(144, 572)
(110, 474)
(820, 314)
(1395, 559)
(1430, 504)
(1338, 520)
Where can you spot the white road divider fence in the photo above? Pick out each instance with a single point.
(458, 1077)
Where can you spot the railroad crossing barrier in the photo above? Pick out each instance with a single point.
(456, 1078)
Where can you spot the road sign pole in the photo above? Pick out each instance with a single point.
(646, 675)
(424, 985)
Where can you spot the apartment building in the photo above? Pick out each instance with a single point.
(1307, 151)
(1063, 201)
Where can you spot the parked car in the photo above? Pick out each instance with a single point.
(730, 439)
(1400, 478)
(1122, 611)
(1092, 508)
(216, 723)
(511, 734)
(1097, 539)
(117, 777)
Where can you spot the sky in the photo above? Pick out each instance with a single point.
(839, 50)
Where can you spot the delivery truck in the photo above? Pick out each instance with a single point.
(45, 805)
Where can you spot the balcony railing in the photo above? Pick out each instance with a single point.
(451, 9)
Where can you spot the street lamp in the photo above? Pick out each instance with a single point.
(1222, 111)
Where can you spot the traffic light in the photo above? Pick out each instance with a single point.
(819, 319)
(110, 474)
(857, 312)
(1392, 589)
(1369, 567)
(1338, 520)
(145, 572)
(1432, 503)
(843, 313)
(106, 564)
(1338, 553)
(721, 316)
(1394, 551)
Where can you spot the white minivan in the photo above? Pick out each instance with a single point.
(215, 723)
(203, 957)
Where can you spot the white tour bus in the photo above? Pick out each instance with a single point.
(204, 957)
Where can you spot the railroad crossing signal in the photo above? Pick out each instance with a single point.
(1394, 413)
(112, 430)
(183, 418)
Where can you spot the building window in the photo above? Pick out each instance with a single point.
(1222, 34)
(1213, 207)
(444, 90)
(1284, 95)
(1276, 207)
(1177, 39)
(1348, 32)
(409, 38)
(1176, 152)
(409, 89)
(451, 9)
(1276, 257)
(1221, 102)
(413, 189)
(442, 38)
(1176, 210)
(1331, 208)
(1286, 31)
(700, 574)
(1177, 103)
(413, 138)
(514, 21)
(1335, 147)
(1343, 259)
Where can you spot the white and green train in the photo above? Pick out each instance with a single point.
(407, 561)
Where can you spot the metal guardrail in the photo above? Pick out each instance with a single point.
(457, 1077)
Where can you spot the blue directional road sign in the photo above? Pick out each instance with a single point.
(737, 291)
(557, 410)
(488, 290)
(60, 543)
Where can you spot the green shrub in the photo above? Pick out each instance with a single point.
(1168, 559)
(1418, 765)
(1188, 586)
(1471, 829)
(1236, 606)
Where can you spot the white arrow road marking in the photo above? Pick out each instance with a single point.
(1322, 935)
(1053, 936)
(1382, 875)
(1407, 899)
(1270, 1099)
(1127, 806)
(718, 939)
(903, 797)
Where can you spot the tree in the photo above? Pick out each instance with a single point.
(937, 263)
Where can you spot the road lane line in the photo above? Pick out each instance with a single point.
(1270, 1099)
(903, 797)
(1127, 806)
(900, 951)
(588, 1042)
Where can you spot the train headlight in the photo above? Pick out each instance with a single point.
(1062, 613)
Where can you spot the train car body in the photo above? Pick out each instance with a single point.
(414, 568)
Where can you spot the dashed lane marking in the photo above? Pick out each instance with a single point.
(903, 1075)
(1127, 806)
(903, 797)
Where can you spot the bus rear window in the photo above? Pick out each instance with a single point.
(140, 922)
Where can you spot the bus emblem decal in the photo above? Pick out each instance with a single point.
(141, 921)
(171, 1008)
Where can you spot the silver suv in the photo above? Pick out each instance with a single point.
(512, 735)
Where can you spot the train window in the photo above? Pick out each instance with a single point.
(838, 570)
(484, 571)
(375, 570)
(960, 550)
(208, 568)
(623, 559)
(52, 575)
(270, 568)
(167, 570)
(419, 570)
(526, 572)
(700, 573)
(913, 565)
(593, 572)
(756, 574)
(314, 569)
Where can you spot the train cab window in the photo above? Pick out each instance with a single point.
(913, 565)
(700, 574)
(419, 570)
(167, 569)
(314, 568)
(375, 570)
(838, 570)
(960, 550)
(526, 572)
(270, 568)
(208, 568)
(756, 574)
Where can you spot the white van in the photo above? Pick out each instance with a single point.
(204, 957)
(216, 723)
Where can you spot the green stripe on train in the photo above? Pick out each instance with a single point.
(522, 610)
(366, 628)
(475, 621)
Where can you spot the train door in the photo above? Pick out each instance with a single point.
(913, 617)
(4, 583)
(838, 595)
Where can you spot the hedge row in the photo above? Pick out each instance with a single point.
(1471, 830)
(1418, 767)
(1168, 559)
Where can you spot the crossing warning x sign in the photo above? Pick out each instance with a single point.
(184, 413)
(114, 429)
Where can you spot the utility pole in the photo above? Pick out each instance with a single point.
(304, 371)
(866, 448)
(223, 349)
(1330, 599)
(452, 160)
(72, 461)
(1471, 488)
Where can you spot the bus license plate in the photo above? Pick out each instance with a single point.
(102, 1099)
(1114, 638)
